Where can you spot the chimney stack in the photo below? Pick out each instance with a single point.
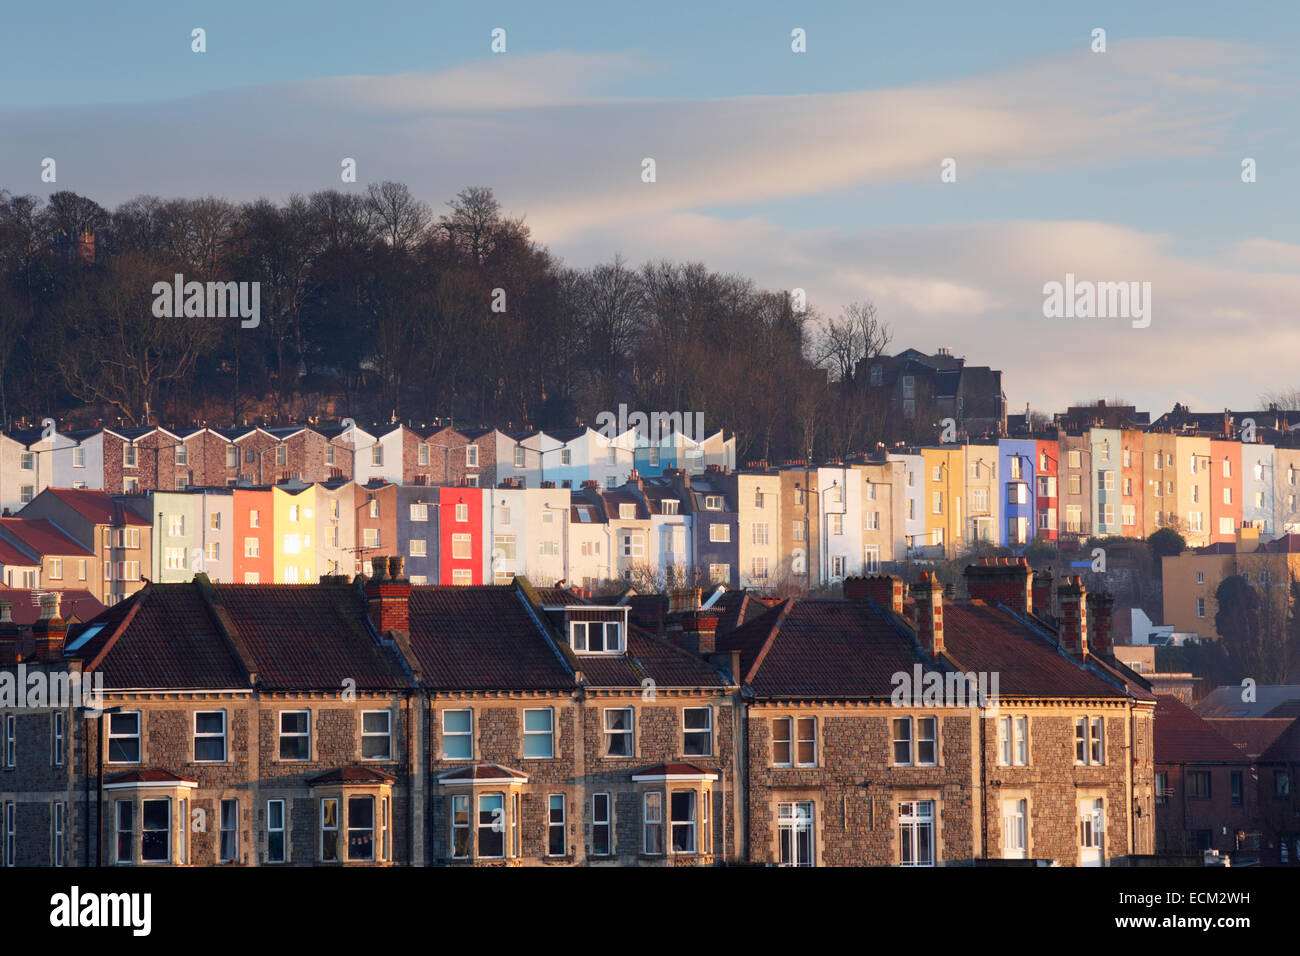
(699, 632)
(1074, 617)
(927, 595)
(884, 589)
(1100, 636)
(1001, 581)
(51, 630)
(388, 597)
(9, 634)
(1042, 593)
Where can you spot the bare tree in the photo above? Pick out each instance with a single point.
(401, 218)
(116, 352)
(1286, 399)
(856, 334)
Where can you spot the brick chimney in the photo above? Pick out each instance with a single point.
(1074, 617)
(884, 589)
(10, 634)
(50, 631)
(1001, 581)
(388, 596)
(699, 632)
(1100, 635)
(927, 597)
(1042, 593)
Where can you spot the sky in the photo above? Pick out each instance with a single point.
(817, 170)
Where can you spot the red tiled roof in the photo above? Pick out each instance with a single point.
(308, 636)
(821, 648)
(1183, 737)
(43, 537)
(11, 555)
(481, 771)
(482, 638)
(1251, 735)
(1286, 748)
(171, 641)
(97, 506)
(981, 638)
(148, 775)
(648, 656)
(351, 775)
(77, 604)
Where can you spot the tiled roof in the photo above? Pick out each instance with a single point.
(735, 608)
(10, 554)
(43, 537)
(97, 506)
(1183, 737)
(1251, 735)
(1286, 748)
(648, 656)
(78, 604)
(978, 637)
(162, 636)
(481, 771)
(147, 775)
(821, 648)
(1290, 709)
(308, 636)
(481, 638)
(351, 775)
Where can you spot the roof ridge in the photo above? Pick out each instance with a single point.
(127, 618)
(229, 632)
(783, 610)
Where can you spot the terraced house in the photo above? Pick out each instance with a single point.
(850, 763)
(371, 723)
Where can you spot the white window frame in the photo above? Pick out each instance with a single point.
(915, 816)
(706, 732)
(386, 735)
(208, 735)
(282, 830)
(137, 736)
(536, 735)
(282, 737)
(610, 734)
(464, 736)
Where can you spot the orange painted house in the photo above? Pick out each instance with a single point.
(1225, 490)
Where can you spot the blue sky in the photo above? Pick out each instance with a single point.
(817, 170)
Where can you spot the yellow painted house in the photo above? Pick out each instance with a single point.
(943, 501)
(293, 532)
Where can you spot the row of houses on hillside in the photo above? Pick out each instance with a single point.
(133, 460)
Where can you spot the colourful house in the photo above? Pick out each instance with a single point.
(460, 534)
(254, 557)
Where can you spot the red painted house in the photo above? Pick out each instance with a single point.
(460, 535)
(1047, 493)
(254, 548)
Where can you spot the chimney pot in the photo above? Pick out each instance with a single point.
(927, 596)
(1074, 617)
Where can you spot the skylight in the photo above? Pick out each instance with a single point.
(85, 636)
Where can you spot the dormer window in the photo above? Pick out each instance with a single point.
(627, 512)
(596, 637)
(713, 502)
(669, 506)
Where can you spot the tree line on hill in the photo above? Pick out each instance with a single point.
(375, 307)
